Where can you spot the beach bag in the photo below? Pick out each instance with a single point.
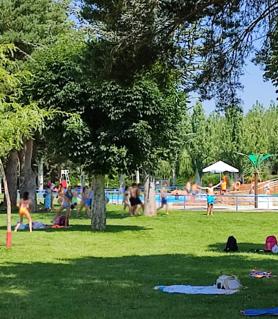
(231, 244)
(60, 221)
(228, 282)
(270, 242)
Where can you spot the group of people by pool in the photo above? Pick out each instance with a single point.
(132, 200)
(68, 198)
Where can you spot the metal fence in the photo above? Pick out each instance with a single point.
(233, 202)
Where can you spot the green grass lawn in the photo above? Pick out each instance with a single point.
(77, 273)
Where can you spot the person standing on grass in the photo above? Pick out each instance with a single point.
(60, 195)
(210, 197)
(86, 201)
(138, 199)
(47, 198)
(66, 204)
(163, 198)
(134, 199)
(24, 211)
(126, 201)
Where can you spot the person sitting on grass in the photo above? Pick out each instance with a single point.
(24, 211)
(210, 197)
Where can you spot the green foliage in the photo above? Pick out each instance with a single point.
(164, 170)
(207, 41)
(29, 24)
(224, 136)
(18, 121)
(210, 178)
(120, 127)
(199, 146)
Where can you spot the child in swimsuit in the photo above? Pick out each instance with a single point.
(210, 197)
(163, 198)
(86, 201)
(126, 201)
(24, 211)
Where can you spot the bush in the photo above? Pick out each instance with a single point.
(210, 178)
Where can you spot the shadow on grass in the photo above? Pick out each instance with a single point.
(122, 287)
(109, 228)
(243, 247)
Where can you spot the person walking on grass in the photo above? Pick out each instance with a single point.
(24, 211)
(163, 198)
(126, 197)
(86, 201)
(135, 199)
(210, 197)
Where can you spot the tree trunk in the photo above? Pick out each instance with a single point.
(122, 183)
(11, 177)
(137, 176)
(27, 175)
(9, 207)
(174, 177)
(149, 196)
(40, 175)
(99, 204)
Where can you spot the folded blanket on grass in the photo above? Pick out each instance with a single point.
(260, 312)
(195, 290)
(35, 225)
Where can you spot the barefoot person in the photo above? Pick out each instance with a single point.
(126, 201)
(66, 204)
(134, 199)
(86, 201)
(24, 211)
(210, 197)
(163, 198)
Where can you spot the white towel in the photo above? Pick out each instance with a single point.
(195, 290)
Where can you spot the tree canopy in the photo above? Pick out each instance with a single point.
(206, 40)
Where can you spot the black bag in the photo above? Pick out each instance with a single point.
(231, 244)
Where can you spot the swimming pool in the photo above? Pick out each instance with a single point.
(117, 198)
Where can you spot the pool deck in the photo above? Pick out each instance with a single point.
(223, 208)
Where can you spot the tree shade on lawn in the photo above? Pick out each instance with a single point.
(77, 273)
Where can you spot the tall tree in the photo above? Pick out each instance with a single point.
(29, 25)
(121, 127)
(17, 121)
(198, 145)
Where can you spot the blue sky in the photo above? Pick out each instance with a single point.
(255, 89)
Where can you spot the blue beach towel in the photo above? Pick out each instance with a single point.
(260, 312)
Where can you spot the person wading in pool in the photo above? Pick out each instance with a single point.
(210, 197)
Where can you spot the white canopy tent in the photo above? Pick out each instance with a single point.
(220, 167)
